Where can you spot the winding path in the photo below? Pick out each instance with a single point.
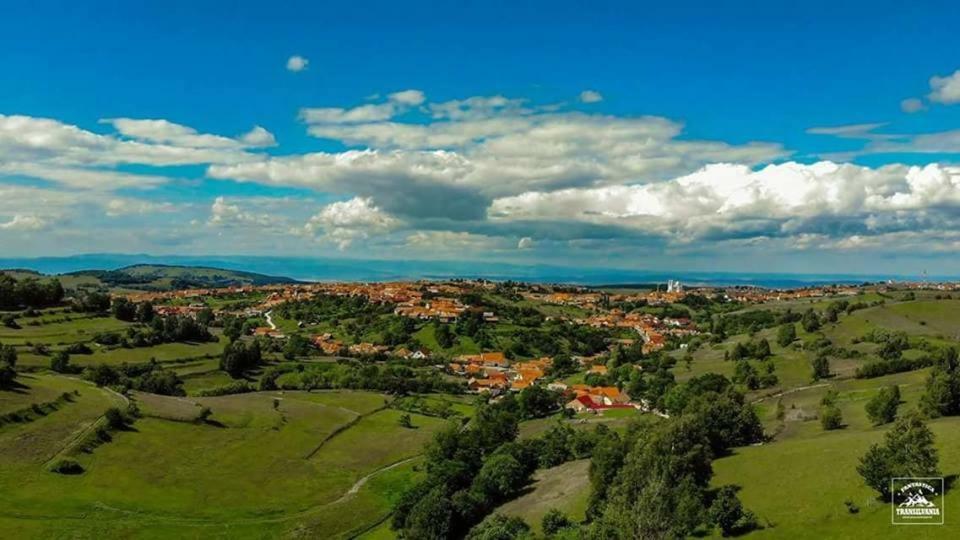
(270, 319)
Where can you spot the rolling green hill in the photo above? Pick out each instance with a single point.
(161, 277)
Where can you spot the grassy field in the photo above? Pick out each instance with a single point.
(61, 333)
(288, 463)
(564, 487)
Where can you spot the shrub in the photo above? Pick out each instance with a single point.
(65, 466)
(830, 417)
(116, 420)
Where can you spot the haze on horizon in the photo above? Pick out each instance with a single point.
(558, 133)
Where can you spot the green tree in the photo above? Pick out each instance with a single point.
(116, 420)
(500, 476)
(499, 527)
(727, 512)
(831, 417)
(405, 421)
(787, 334)
(810, 321)
(536, 401)
(821, 367)
(907, 451)
(563, 364)
(8, 375)
(942, 394)
(882, 408)
(60, 362)
(430, 516)
(554, 521)
(296, 345)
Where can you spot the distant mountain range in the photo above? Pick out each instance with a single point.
(250, 269)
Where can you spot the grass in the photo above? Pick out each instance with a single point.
(61, 333)
(244, 473)
(797, 487)
(564, 487)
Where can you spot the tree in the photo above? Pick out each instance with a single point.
(746, 374)
(810, 321)
(405, 421)
(908, 451)
(204, 415)
(942, 394)
(499, 527)
(116, 420)
(430, 517)
(60, 362)
(7, 375)
(500, 476)
(536, 401)
(882, 408)
(237, 358)
(123, 309)
(553, 521)
(786, 334)
(445, 337)
(296, 345)
(562, 364)
(8, 355)
(821, 367)
(727, 512)
(830, 415)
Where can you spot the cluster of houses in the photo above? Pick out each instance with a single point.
(491, 372)
(331, 346)
(653, 330)
(595, 399)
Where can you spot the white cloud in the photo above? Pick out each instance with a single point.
(224, 214)
(465, 152)
(126, 206)
(525, 243)
(22, 222)
(912, 105)
(590, 96)
(408, 97)
(397, 103)
(945, 89)
(726, 201)
(297, 63)
(452, 241)
(346, 221)
(258, 137)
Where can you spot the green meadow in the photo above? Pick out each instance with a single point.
(321, 464)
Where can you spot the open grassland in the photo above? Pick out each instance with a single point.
(936, 319)
(797, 487)
(564, 487)
(323, 464)
(61, 333)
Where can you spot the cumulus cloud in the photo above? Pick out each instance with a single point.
(724, 201)
(456, 156)
(945, 89)
(297, 63)
(258, 137)
(346, 221)
(224, 214)
(396, 103)
(22, 222)
(590, 96)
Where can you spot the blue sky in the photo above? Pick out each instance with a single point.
(687, 100)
